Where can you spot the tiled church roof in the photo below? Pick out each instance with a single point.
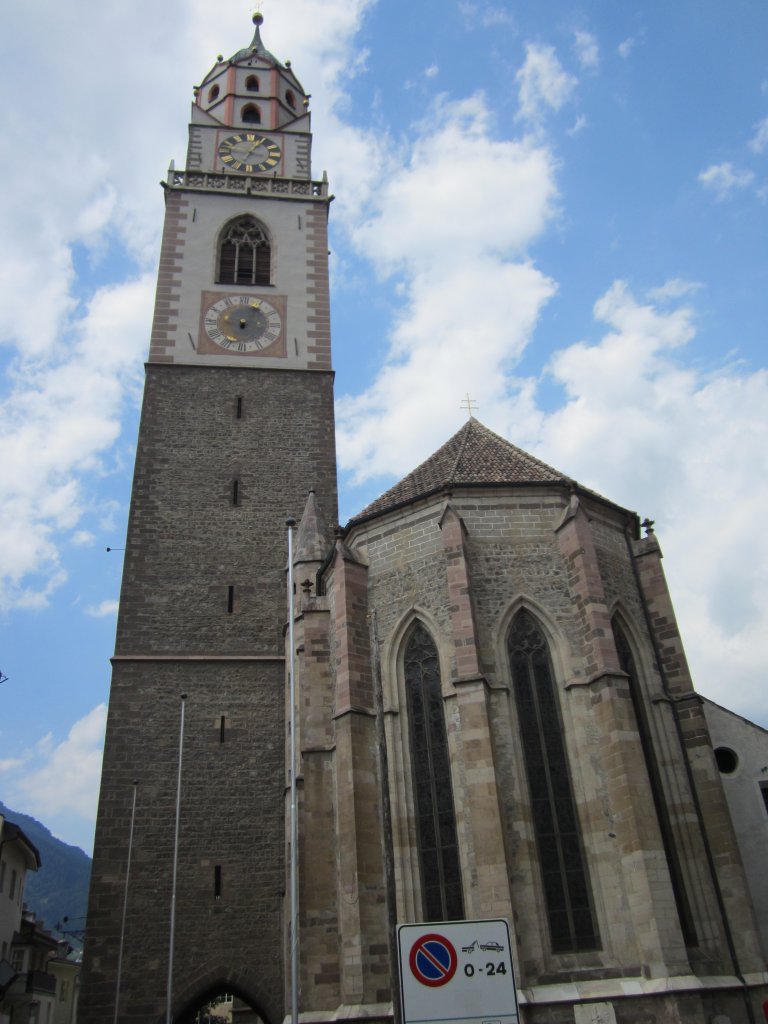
(474, 455)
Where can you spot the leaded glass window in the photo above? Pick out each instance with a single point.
(245, 255)
(556, 825)
(431, 772)
(627, 663)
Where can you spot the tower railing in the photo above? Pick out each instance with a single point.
(245, 184)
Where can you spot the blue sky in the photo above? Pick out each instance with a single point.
(560, 208)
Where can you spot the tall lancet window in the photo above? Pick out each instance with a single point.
(627, 662)
(431, 771)
(245, 255)
(556, 825)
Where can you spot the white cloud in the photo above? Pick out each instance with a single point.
(485, 15)
(723, 179)
(61, 780)
(83, 538)
(675, 288)
(681, 446)
(578, 125)
(103, 610)
(76, 349)
(626, 47)
(432, 71)
(543, 84)
(62, 415)
(587, 50)
(467, 284)
(759, 141)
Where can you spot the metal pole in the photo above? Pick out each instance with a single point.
(125, 903)
(169, 986)
(294, 931)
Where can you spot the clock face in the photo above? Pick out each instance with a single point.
(249, 153)
(242, 323)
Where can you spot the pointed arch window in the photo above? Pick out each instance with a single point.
(251, 114)
(442, 896)
(245, 255)
(627, 663)
(564, 875)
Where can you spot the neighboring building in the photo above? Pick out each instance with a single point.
(18, 855)
(31, 997)
(547, 759)
(66, 971)
(741, 752)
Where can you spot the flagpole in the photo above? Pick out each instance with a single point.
(294, 937)
(125, 903)
(169, 986)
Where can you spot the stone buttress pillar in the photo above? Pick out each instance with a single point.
(631, 864)
(478, 814)
(718, 831)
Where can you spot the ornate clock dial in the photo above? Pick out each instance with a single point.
(242, 323)
(249, 153)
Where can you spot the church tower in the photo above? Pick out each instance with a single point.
(236, 429)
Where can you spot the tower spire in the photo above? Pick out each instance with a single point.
(257, 47)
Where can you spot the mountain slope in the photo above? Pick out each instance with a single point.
(60, 888)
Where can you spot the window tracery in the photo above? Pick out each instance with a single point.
(442, 896)
(564, 876)
(245, 254)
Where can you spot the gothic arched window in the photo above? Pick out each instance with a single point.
(245, 255)
(555, 821)
(627, 663)
(431, 772)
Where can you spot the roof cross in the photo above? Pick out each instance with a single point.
(469, 404)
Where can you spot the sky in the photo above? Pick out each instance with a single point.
(557, 208)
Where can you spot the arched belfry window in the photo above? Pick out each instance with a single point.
(245, 255)
(628, 665)
(431, 772)
(251, 114)
(252, 83)
(555, 821)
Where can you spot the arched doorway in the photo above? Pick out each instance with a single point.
(225, 1001)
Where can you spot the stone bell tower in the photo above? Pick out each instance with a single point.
(236, 429)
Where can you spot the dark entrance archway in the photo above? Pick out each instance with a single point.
(196, 999)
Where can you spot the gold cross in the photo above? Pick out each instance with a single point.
(469, 404)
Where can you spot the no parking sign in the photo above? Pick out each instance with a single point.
(458, 972)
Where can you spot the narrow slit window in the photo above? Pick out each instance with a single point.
(230, 599)
(764, 794)
(235, 492)
(239, 407)
(222, 728)
(217, 882)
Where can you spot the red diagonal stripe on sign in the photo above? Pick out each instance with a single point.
(435, 963)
